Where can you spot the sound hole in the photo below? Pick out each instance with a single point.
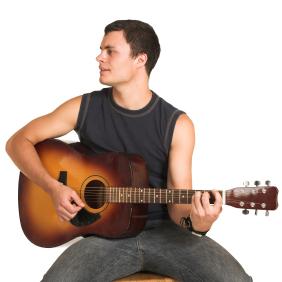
(95, 194)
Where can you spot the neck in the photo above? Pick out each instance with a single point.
(132, 96)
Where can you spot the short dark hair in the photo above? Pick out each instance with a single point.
(141, 37)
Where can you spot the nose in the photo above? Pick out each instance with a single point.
(100, 57)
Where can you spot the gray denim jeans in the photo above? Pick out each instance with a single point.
(162, 247)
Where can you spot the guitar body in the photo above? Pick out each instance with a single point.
(86, 173)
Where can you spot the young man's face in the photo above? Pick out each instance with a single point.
(115, 62)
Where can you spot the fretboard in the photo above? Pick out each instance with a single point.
(150, 195)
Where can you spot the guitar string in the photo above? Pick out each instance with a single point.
(163, 193)
(256, 207)
(117, 201)
(103, 188)
(97, 196)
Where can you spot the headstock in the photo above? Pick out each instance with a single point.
(256, 197)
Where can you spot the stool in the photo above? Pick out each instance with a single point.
(143, 277)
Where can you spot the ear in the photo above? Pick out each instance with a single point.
(141, 59)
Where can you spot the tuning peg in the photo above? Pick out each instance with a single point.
(256, 212)
(245, 212)
(257, 183)
(267, 182)
(266, 213)
(246, 183)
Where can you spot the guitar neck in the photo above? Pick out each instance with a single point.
(152, 195)
(258, 198)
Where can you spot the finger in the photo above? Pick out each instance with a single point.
(67, 216)
(206, 201)
(67, 212)
(197, 202)
(193, 206)
(70, 204)
(61, 218)
(77, 200)
(218, 200)
(70, 207)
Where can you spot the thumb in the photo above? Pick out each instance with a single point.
(77, 200)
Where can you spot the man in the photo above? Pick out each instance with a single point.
(129, 117)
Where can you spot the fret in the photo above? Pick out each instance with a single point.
(179, 194)
(116, 192)
(122, 195)
(110, 194)
(135, 195)
(125, 194)
(146, 192)
(128, 192)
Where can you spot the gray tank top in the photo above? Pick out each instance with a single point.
(104, 126)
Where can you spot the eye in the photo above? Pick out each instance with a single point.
(109, 51)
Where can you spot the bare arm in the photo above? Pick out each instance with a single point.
(20, 147)
(180, 164)
(180, 176)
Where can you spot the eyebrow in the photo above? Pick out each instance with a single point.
(107, 47)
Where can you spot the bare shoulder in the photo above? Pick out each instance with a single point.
(184, 131)
(54, 124)
(70, 108)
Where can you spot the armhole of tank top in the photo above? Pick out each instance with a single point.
(82, 112)
(170, 128)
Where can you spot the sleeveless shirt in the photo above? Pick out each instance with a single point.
(105, 126)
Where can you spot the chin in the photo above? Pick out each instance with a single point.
(105, 82)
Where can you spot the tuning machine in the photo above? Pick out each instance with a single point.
(257, 183)
(245, 211)
(246, 183)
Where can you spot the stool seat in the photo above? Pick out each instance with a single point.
(145, 277)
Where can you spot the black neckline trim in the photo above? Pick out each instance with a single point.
(133, 113)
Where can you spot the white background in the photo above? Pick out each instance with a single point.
(221, 62)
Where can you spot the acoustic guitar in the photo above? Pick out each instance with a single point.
(114, 188)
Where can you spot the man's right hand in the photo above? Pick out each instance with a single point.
(66, 201)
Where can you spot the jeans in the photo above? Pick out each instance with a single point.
(162, 247)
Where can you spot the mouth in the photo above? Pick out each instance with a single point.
(103, 70)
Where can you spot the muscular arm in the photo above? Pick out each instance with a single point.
(180, 176)
(20, 147)
(180, 164)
